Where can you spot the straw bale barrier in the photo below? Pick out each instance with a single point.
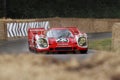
(84, 24)
(2, 31)
(116, 37)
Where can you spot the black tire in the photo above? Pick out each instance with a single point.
(52, 52)
(35, 50)
(74, 52)
(83, 51)
(30, 48)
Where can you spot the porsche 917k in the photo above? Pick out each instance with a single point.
(57, 39)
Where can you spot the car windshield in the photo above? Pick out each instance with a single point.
(61, 33)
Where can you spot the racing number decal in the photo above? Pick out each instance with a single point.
(62, 40)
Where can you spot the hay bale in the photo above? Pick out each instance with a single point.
(27, 66)
(111, 23)
(85, 25)
(2, 31)
(69, 22)
(100, 25)
(116, 37)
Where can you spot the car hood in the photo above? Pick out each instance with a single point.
(61, 40)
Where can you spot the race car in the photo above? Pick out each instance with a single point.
(57, 39)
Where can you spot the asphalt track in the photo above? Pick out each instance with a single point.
(20, 46)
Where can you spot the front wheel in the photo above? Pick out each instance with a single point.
(83, 51)
(30, 49)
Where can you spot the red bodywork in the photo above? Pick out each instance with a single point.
(53, 44)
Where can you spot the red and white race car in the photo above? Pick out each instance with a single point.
(57, 39)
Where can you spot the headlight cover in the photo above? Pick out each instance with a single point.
(43, 42)
(82, 41)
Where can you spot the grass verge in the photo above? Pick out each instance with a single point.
(102, 44)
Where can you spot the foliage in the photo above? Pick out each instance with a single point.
(61, 8)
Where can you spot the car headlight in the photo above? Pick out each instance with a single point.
(43, 42)
(82, 41)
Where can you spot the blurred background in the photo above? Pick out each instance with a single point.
(59, 8)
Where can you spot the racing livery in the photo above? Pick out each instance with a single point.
(57, 39)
